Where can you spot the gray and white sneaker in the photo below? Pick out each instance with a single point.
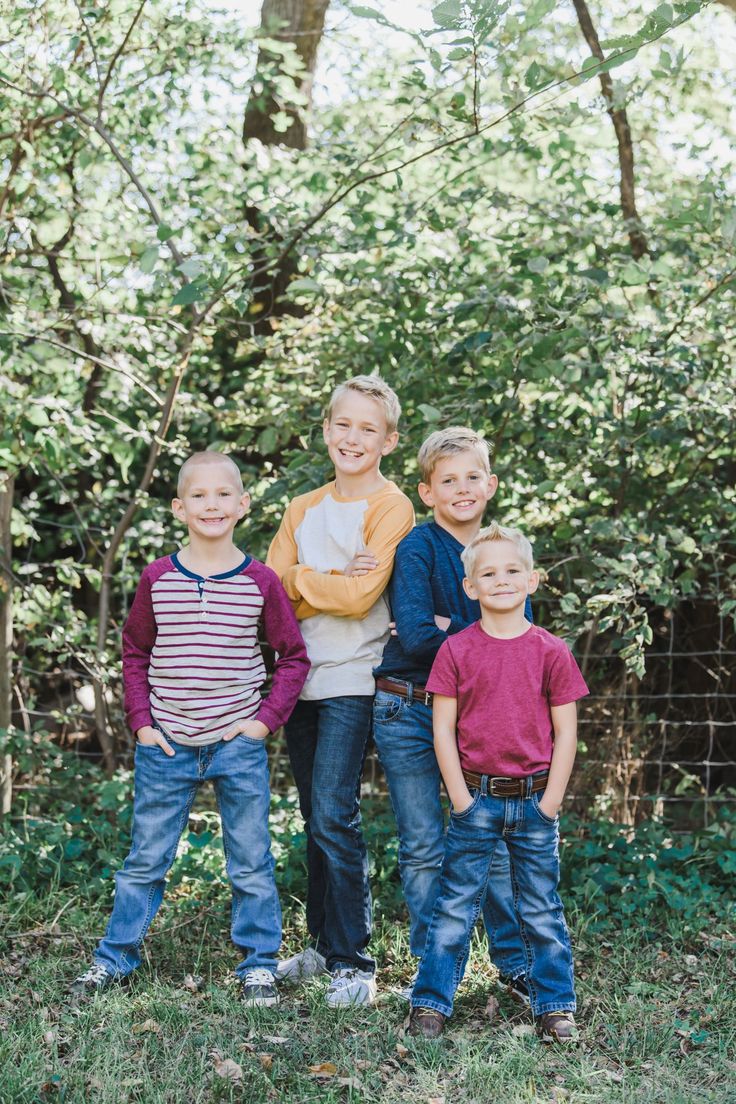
(517, 988)
(305, 964)
(93, 980)
(350, 986)
(259, 989)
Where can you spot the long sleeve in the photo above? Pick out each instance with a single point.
(412, 601)
(315, 592)
(281, 631)
(139, 636)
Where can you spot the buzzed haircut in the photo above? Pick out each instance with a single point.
(496, 532)
(207, 457)
(450, 442)
(375, 388)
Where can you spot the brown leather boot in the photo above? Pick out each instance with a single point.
(427, 1022)
(557, 1027)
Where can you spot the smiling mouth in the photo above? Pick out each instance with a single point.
(351, 455)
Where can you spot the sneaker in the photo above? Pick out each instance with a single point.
(427, 1022)
(259, 989)
(305, 964)
(557, 1027)
(405, 994)
(350, 986)
(93, 981)
(516, 988)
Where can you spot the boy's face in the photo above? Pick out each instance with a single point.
(212, 503)
(356, 434)
(459, 489)
(500, 581)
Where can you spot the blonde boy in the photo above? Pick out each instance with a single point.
(334, 553)
(505, 727)
(429, 604)
(193, 674)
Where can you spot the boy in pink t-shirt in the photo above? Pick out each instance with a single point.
(505, 735)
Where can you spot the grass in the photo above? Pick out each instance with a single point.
(657, 1015)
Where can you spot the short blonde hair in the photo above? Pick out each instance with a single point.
(207, 457)
(375, 388)
(449, 442)
(496, 532)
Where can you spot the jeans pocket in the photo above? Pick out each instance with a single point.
(386, 707)
(252, 739)
(466, 812)
(540, 813)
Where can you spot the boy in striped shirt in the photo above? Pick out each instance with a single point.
(193, 673)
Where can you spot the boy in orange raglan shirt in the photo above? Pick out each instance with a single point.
(334, 554)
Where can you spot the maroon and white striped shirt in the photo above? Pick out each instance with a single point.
(192, 664)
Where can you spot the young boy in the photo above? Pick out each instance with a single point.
(193, 673)
(320, 553)
(428, 603)
(505, 734)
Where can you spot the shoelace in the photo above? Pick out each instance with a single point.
(95, 973)
(258, 977)
(343, 978)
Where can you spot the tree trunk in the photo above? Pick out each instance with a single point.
(6, 638)
(301, 23)
(619, 118)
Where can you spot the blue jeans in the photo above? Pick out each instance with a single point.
(402, 730)
(327, 740)
(165, 788)
(533, 844)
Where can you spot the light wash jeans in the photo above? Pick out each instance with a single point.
(327, 740)
(533, 844)
(165, 788)
(403, 734)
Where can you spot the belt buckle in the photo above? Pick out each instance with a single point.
(497, 778)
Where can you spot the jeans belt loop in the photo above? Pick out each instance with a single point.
(410, 693)
(484, 785)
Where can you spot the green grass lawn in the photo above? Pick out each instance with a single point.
(657, 1017)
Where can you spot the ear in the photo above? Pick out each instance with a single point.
(425, 493)
(492, 487)
(325, 430)
(533, 582)
(177, 508)
(392, 440)
(470, 589)
(244, 504)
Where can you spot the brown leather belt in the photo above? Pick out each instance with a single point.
(408, 690)
(506, 787)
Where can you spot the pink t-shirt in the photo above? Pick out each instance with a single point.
(504, 690)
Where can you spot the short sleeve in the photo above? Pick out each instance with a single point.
(565, 683)
(443, 676)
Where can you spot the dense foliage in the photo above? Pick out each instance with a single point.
(454, 224)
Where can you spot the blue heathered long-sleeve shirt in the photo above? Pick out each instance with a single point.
(427, 580)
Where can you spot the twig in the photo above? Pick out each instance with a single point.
(116, 56)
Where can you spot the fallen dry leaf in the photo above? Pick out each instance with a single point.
(401, 1050)
(350, 1083)
(266, 1061)
(193, 982)
(277, 1040)
(226, 1067)
(49, 1037)
(323, 1069)
(491, 1009)
(436, 1100)
(146, 1027)
(522, 1029)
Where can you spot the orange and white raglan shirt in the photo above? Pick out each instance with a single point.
(344, 620)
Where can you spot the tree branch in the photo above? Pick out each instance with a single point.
(619, 118)
(116, 57)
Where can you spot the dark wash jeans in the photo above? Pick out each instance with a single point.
(165, 788)
(533, 843)
(402, 730)
(327, 741)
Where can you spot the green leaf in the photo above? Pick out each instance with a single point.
(429, 413)
(618, 59)
(533, 75)
(305, 285)
(364, 12)
(537, 264)
(165, 232)
(191, 268)
(190, 293)
(148, 259)
(447, 14)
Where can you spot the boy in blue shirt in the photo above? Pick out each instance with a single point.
(428, 604)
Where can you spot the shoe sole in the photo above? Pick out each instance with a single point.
(350, 1002)
(261, 1002)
